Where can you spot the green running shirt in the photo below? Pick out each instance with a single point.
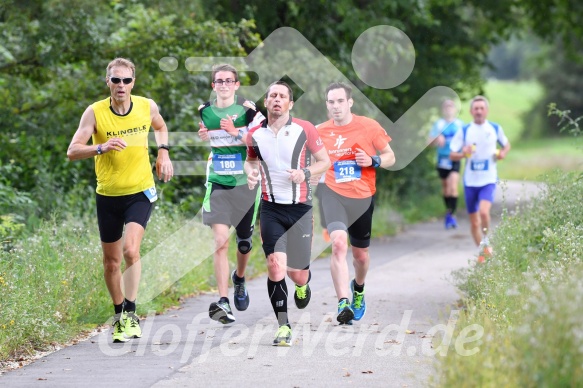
(228, 154)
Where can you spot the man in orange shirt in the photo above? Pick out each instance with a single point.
(357, 146)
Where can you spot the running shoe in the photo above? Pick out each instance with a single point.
(283, 336)
(484, 250)
(453, 222)
(345, 313)
(118, 329)
(132, 324)
(447, 221)
(358, 304)
(302, 295)
(241, 296)
(221, 311)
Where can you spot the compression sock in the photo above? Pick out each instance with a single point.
(278, 296)
(453, 204)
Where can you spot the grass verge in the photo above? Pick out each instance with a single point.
(527, 298)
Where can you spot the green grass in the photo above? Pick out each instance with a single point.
(527, 298)
(52, 287)
(530, 160)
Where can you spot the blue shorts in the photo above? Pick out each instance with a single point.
(476, 194)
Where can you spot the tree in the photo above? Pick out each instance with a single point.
(53, 56)
(451, 40)
(562, 80)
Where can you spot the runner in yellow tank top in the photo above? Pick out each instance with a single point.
(127, 172)
(119, 126)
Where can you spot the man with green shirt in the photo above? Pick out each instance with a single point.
(228, 200)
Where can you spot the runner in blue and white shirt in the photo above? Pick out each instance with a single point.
(441, 134)
(478, 142)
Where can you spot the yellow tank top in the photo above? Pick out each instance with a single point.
(129, 171)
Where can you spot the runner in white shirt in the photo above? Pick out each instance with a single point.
(279, 156)
(478, 143)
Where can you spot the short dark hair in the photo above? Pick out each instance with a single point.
(339, 85)
(224, 67)
(289, 89)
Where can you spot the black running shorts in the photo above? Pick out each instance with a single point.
(444, 173)
(350, 214)
(115, 212)
(288, 229)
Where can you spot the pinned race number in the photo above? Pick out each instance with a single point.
(445, 163)
(230, 164)
(151, 194)
(346, 171)
(479, 165)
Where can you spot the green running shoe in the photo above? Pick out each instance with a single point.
(283, 336)
(119, 329)
(132, 324)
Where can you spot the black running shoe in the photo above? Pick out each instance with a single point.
(345, 313)
(241, 296)
(221, 311)
(302, 295)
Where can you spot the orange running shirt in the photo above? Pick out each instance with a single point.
(344, 176)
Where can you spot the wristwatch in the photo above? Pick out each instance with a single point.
(99, 150)
(307, 174)
(376, 161)
(239, 135)
(164, 147)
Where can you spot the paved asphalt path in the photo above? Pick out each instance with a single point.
(411, 301)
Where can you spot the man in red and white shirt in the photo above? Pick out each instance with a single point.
(279, 154)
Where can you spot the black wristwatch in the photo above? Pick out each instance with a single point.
(376, 161)
(307, 174)
(164, 147)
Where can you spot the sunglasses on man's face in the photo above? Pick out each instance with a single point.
(116, 80)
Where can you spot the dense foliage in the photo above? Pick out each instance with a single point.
(53, 54)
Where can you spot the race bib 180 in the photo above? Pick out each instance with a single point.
(230, 164)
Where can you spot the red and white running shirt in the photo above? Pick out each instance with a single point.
(291, 148)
